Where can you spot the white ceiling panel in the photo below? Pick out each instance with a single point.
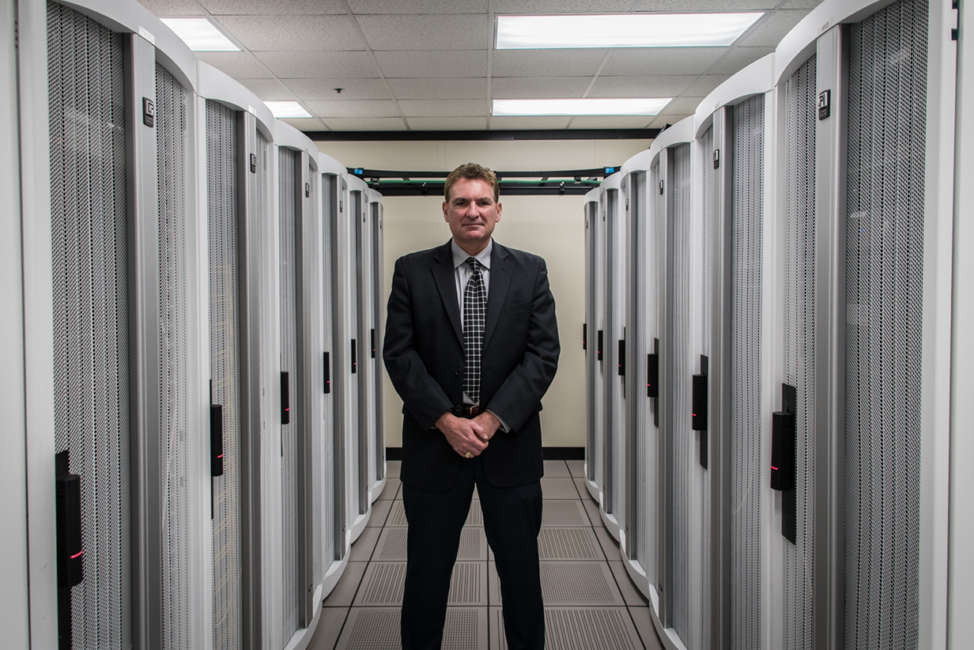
(681, 106)
(174, 8)
(458, 63)
(305, 123)
(703, 84)
(768, 31)
(366, 124)
(737, 58)
(351, 88)
(447, 123)
(268, 89)
(538, 87)
(446, 107)
(610, 122)
(559, 6)
(662, 60)
(544, 63)
(239, 65)
(291, 65)
(437, 88)
(418, 6)
(686, 6)
(298, 33)
(277, 7)
(641, 86)
(548, 122)
(354, 108)
(799, 4)
(440, 32)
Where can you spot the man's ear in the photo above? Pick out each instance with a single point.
(500, 209)
(444, 211)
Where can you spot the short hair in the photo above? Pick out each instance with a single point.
(471, 171)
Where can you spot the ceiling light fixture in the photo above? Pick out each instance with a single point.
(287, 109)
(622, 30)
(592, 106)
(200, 35)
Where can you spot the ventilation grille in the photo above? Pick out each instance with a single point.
(610, 381)
(288, 167)
(90, 310)
(884, 275)
(573, 583)
(799, 341)
(384, 581)
(171, 122)
(568, 544)
(221, 160)
(745, 421)
(374, 628)
(579, 629)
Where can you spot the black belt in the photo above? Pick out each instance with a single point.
(466, 410)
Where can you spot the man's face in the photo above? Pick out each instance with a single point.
(471, 212)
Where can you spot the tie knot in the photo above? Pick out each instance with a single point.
(473, 264)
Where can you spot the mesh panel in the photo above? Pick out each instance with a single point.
(745, 435)
(591, 363)
(90, 310)
(884, 274)
(289, 166)
(799, 341)
(222, 153)
(609, 354)
(171, 107)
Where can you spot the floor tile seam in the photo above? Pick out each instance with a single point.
(341, 630)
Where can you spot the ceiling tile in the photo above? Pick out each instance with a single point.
(319, 64)
(799, 4)
(681, 106)
(641, 86)
(447, 107)
(277, 7)
(703, 84)
(538, 87)
(661, 60)
(240, 65)
(366, 124)
(354, 108)
(439, 88)
(297, 33)
(305, 123)
(460, 63)
(174, 8)
(418, 6)
(546, 63)
(771, 29)
(737, 58)
(268, 89)
(703, 5)
(351, 88)
(610, 122)
(559, 6)
(447, 123)
(442, 32)
(547, 122)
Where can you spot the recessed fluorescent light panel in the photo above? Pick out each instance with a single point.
(287, 109)
(628, 106)
(622, 30)
(200, 35)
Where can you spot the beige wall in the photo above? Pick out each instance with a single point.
(550, 226)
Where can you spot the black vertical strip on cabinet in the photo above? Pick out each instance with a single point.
(354, 357)
(599, 344)
(285, 399)
(326, 366)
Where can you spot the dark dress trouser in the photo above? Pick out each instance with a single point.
(512, 521)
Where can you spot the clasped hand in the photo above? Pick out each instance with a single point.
(468, 436)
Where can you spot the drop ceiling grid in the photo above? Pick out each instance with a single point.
(430, 64)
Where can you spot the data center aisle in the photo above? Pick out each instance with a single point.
(590, 602)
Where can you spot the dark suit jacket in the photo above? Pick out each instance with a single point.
(423, 353)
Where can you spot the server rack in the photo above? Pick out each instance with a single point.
(376, 290)
(592, 342)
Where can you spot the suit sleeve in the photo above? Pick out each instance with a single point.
(519, 397)
(424, 398)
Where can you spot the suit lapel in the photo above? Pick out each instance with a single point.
(500, 279)
(446, 283)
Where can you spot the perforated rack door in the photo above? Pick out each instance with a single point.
(744, 437)
(886, 134)
(172, 103)
(90, 275)
(222, 154)
(800, 263)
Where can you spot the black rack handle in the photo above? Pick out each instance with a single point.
(783, 459)
(598, 346)
(372, 341)
(584, 336)
(354, 356)
(326, 365)
(216, 440)
(621, 363)
(285, 399)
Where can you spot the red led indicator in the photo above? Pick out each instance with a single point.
(77, 555)
(774, 468)
(288, 408)
(220, 456)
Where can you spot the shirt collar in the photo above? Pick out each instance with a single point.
(460, 256)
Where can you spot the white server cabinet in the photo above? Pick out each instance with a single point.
(376, 309)
(612, 502)
(592, 341)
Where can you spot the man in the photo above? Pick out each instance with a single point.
(471, 345)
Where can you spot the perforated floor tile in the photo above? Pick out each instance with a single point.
(556, 469)
(558, 488)
(564, 513)
(574, 628)
(383, 584)
(392, 545)
(569, 544)
(570, 584)
(397, 514)
(377, 628)
(380, 510)
(576, 468)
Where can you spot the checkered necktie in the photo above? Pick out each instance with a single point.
(474, 321)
